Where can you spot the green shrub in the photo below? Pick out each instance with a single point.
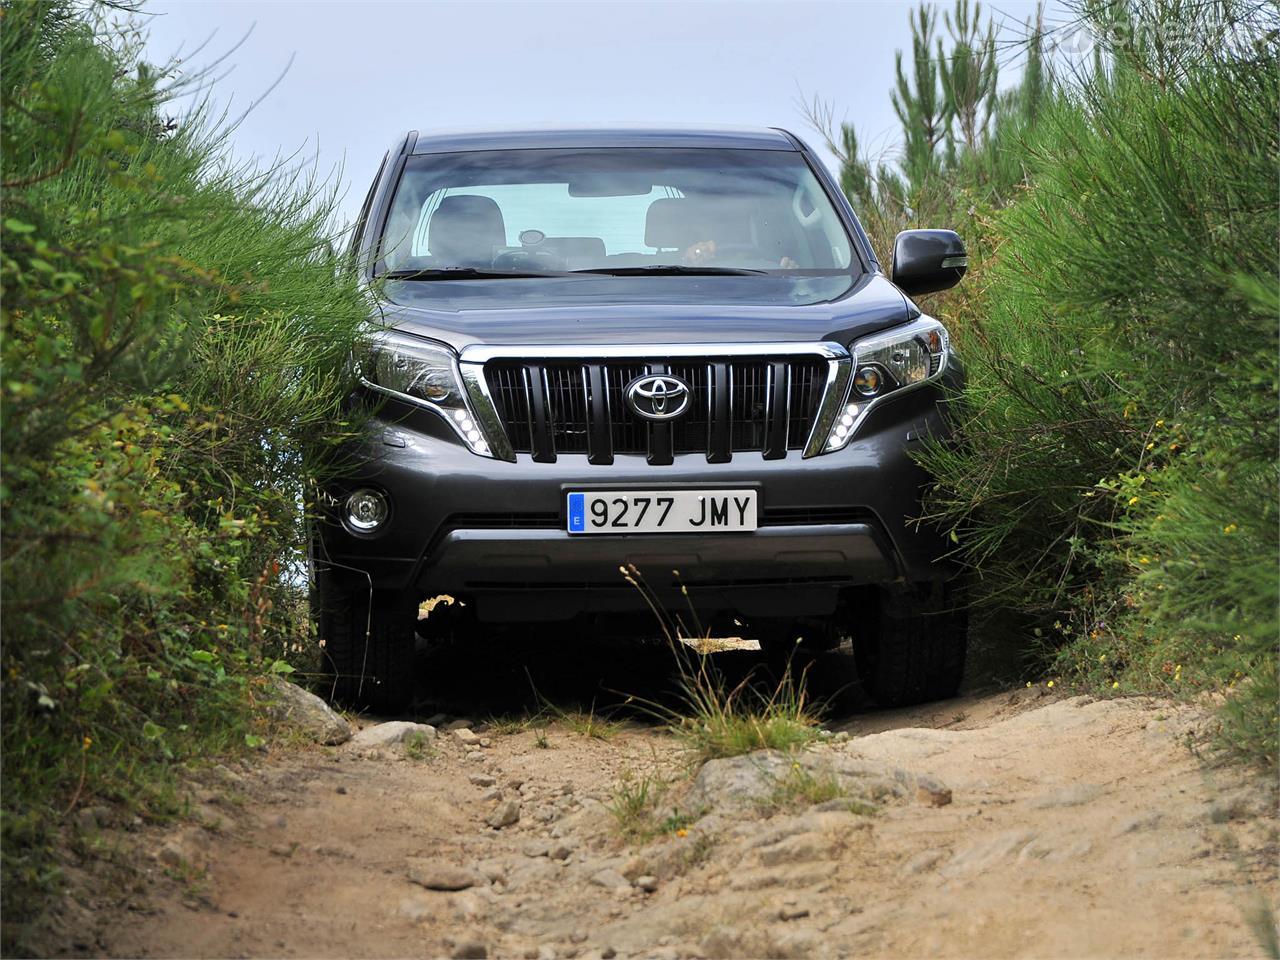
(175, 337)
(1118, 467)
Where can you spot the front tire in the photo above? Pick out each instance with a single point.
(368, 644)
(913, 649)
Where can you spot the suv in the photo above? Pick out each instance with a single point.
(671, 351)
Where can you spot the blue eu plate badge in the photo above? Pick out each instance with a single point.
(577, 512)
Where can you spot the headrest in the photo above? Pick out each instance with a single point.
(466, 227)
(683, 221)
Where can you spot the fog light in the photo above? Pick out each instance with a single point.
(867, 381)
(366, 510)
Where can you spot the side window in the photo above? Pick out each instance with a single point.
(362, 220)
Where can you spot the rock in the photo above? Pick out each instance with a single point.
(1143, 821)
(647, 883)
(924, 861)
(932, 793)
(482, 780)
(792, 911)
(283, 850)
(341, 791)
(391, 733)
(566, 788)
(504, 815)
(307, 712)
(561, 850)
(171, 854)
(438, 875)
(1072, 796)
(495, 871)
(490, 795)
(803, 848)
(485, 743)
(609, 878)
(578, 936)
(988, 852)
(90, 819)
(459, 724)
(608, 953)
(414, 908)
(475, 756)
(465, 736)
(536, 848)
(469, 950)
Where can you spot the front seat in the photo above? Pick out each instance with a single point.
(465, 231)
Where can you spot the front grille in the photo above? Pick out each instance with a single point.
(737, 405)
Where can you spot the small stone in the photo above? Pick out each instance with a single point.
(171, 854)
(482, 780)
(475, 756)
(932, 793)
(608, 953)
(491, 795)
(792, 911)
(438, 720)
(389, 734)
(284, 850)
(466, 736)
(560, 850)
(92, 818)
(459, 724)
(506, 813)
(610, 879)
(341, 790)
(923, 861)
(566, 788)
(485, 743)
(647, 883)
(578, 936)
(437, 875)
(414, 909)
(469, 950)
(536, 848)
(1072, 796)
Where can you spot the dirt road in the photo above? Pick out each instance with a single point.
(1073, 828)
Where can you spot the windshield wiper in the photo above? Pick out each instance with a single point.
(675, 270)
(463, 273)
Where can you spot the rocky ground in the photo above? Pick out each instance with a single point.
(1011, 823)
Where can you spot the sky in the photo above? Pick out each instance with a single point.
(336, 82)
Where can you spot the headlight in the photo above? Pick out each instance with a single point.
(885, 365)
(426, 375)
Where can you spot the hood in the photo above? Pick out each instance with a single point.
(609, 310)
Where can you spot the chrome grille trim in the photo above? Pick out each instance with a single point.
(839, 364)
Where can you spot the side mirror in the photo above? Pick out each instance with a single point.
(925, 261)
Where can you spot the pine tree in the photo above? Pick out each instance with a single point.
(969, 72)
(922, 111)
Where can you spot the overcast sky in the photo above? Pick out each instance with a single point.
(349, 76)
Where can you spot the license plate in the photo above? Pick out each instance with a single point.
(662, 511)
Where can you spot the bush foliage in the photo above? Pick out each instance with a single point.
(175, 337)
(1116, 480)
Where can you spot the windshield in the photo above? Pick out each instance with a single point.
(612, 211)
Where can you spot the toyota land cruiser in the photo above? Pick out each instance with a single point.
(662, 348)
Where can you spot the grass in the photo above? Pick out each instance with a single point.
(418, 747)
(716, 720)
(802, 787)
(636, 808)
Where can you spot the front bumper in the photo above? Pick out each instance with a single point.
(494, 532)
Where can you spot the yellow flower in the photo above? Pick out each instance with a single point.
(1229, 529)
(1144, 559)
(87, 743)
(1050, 684)
(1151, 446)
(1159, 423)
(682, 832)
(1028, 683)
(1102, 658)
(1115, 684)
(1132, 501)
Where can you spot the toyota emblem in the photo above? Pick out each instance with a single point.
(658, 396)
